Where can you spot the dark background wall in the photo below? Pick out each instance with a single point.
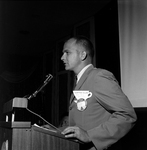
(107, 39)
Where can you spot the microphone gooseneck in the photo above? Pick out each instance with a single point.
(49, 77)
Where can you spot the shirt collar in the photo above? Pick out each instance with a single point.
(82, 71)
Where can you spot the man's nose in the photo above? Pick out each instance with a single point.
(62, 57)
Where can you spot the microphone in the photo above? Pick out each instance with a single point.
(48, 78)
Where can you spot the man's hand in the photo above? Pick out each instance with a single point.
(76, 132)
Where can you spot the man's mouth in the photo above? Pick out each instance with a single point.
(65, 63)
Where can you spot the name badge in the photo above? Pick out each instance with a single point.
(81, 99)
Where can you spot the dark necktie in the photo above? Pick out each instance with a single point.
(75, 82)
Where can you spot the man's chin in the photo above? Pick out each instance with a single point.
(67, 68)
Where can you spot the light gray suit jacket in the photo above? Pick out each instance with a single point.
(109, 114)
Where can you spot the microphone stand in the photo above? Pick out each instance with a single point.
(49, 77)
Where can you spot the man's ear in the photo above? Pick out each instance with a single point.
(83, 55)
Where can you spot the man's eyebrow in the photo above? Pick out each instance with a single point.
(65, 50)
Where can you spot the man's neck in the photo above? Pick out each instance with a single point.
(82, 71)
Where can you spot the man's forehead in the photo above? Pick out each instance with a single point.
(69, 44)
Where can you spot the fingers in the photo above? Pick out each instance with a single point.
(70, 135)
(70, 132)
(76, 132)
(69, 129)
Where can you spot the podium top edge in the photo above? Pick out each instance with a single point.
(15, 102)
(15, 124)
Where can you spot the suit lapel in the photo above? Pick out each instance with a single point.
(81, 81)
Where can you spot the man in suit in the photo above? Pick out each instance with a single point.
(107, 115)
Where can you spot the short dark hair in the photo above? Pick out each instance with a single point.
(86, 43)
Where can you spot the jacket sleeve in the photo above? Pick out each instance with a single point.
(110, 96)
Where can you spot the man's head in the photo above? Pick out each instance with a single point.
(77, 53)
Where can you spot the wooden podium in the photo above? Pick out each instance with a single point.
(21, 135)
(34, 138)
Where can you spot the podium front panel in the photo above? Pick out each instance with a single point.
(48, 140)
(34, 138)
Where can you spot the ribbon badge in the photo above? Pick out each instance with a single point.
(81, 99)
